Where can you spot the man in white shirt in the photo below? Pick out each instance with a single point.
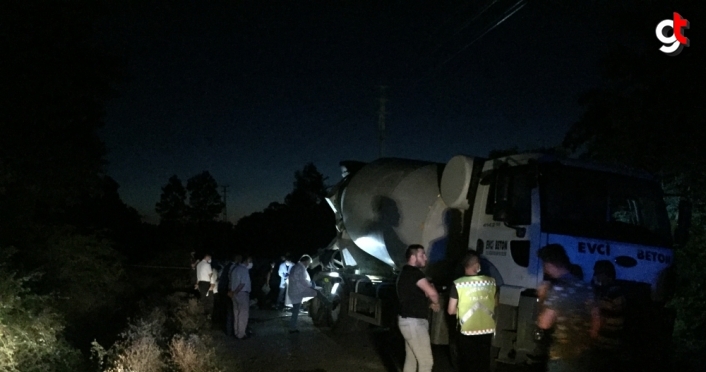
(283, 272)
(300, 289)
(204, 285)
(240, 288)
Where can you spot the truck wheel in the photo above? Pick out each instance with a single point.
(317, 312)
(336, 312)
(339, 319)
(326, 314)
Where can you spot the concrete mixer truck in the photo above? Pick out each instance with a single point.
(505, 209)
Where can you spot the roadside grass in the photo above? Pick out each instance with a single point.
(173, 337)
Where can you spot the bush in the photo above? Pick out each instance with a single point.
(188, 316)
(142, 348)
(690, 302)
(31, 331)
(192, 354)
(137, 350)
(87, 272)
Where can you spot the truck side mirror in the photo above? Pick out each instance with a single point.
(502, 195)
(681, 233)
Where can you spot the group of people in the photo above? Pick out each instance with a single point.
(581, 323)
(230, 287)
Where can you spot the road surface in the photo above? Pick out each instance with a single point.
(273, 349)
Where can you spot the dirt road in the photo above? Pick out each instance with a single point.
(273, 349)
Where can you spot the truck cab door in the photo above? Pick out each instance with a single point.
(506, 231)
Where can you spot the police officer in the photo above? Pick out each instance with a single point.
(472, 300)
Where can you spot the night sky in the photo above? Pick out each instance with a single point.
(252, 91)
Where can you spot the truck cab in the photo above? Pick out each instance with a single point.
(515, 205)
(506, 209)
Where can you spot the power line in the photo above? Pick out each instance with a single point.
(446, 21)
(524, 2)
(468, 23)
(512, 10)
(381, 119)
(225, 202)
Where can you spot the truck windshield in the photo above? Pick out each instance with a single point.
(602, 205)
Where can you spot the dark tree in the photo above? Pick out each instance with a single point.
(56, 82)
(648, 114)
(302, 224)
(56, 205)
(172, 207)
(309, 188)
(205, 203)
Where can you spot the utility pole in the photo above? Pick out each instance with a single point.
(225, 202)
(381, 119)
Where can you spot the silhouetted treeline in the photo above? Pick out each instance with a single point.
(303, 223)
(63, 224)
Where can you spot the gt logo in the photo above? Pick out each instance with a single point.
(674, 44)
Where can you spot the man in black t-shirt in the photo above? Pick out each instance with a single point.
(415, 293)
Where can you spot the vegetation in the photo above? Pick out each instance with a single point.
(202, 205)
(31, 336)
(162, 340)
(303, 223)
(646, 114)
(67, 279)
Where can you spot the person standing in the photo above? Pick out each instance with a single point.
(472, 300)
(300, 287)
(204, 285)
(283, 272)
(570, 310)
(240, 287)
(416, 295)
(610, 352)
(213, 293)
(223, 294)
(264, 286)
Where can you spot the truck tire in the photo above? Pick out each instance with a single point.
(328, 314)
(317, 312)
(338, 318)
(334, 313)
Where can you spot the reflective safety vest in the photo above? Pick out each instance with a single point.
(476, 303)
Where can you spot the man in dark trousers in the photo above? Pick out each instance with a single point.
(610, 353)
(203, 284)
(416, 295)
(223, 288)
(570, 310)
(472, 300)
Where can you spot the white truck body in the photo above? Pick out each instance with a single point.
(505, 209)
